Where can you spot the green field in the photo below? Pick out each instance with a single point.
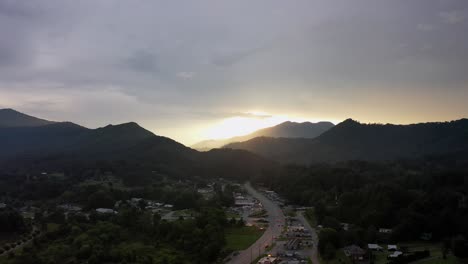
(240, 238)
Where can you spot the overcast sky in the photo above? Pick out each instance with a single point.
(178, 67)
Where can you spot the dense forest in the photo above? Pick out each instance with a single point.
(417, 199)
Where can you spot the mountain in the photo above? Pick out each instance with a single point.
(287, 129)
(12, 118)
(351, 140)
(61, 144)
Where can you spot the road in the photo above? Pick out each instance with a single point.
(276, 222)
(314, 253)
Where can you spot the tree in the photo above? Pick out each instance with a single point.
(329, 251)
(328, 236)
(460, 247)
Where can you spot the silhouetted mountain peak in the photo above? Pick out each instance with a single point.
(12, 118)
(349, 122)
(130, 130)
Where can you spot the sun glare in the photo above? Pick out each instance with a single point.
(243, 125)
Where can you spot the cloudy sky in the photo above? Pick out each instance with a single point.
(184, 69)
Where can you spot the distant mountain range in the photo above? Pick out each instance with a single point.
(287, 130)
(29, 141)
(351, 140)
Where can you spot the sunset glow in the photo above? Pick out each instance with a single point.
(243, 125)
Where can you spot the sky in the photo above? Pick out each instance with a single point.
(199, 69)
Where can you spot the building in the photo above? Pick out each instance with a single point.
(70, 207)
(268, 260)
(345, 226)
(395, 254)
(385, 230)
(392, 248)
(374, 247)
(354, 252)
(105, 211)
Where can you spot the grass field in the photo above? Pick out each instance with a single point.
(240, 238)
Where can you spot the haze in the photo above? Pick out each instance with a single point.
(194, 70)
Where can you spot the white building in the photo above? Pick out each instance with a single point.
(105, 211)
(374, 247)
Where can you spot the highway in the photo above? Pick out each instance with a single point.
(276, 223)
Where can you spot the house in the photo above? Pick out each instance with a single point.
(385, 230)
(268, 260)
(105, 211)
(354, 252)
(395, 254)
(374, 247)
(392, 248)
(345, 226)
(70, 207)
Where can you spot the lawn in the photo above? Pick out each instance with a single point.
(240, 238)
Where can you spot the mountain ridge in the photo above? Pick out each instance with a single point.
(63, 144)
(352, 140)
